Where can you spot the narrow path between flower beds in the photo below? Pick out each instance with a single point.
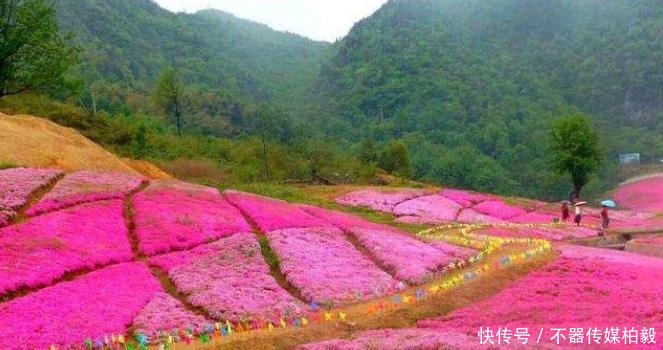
(366, 253)
(131, 224)
(270, 257)
(160, 275)
(359, 318)
(34, 198)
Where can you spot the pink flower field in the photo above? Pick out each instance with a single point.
(432, 209)
(271, 214)
(324, 266)
(100, 303)
(16, 186)
(171, 216)
(584, 287)
(465, 198)
(409, 259)
(48, 247)
(85, 186)
(643, 195)
(103, 255)
(498, 209)
(379, 200)
(164, 314)
(230, 279)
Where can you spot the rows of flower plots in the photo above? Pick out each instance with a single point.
(229, 279)
(408, 259)
(83, 187)
(447, 206)
(16, 186)
(99, 303)
(39, 251)
(170, 215)
(596, 296)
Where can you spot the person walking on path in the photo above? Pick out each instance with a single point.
(578, 212)
(605, 219)
(565, 211)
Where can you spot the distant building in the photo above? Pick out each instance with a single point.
(629, 159)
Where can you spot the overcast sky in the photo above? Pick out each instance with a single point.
(317, 19)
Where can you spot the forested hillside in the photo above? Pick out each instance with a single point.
(472, 85)
(230, 66)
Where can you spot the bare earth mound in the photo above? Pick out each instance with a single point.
(36, 142)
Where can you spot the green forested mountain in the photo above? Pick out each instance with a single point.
(472, 85)
(230, 65)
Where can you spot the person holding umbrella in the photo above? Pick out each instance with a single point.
(578, 212)
(605, 219)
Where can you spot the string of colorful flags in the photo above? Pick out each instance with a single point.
(219, 331)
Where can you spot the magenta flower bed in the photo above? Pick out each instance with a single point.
(454, 251)
(535, 218)
(324, 266)
(466, 198)
(498, 209)
(379, 200)
(45, 248)
(171, 215)
(646, 195)
(409, 259)
(271, 214)
(85, 186)
(16, 186)
(100, 303)
(339, 219)
(230, 279)
(401, 339)
(433, 209)
(471, 216)
(164, 314)
(584, 287)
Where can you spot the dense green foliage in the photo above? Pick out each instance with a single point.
(472, 86)
(457, 92)
(33, 54)
(575, 149)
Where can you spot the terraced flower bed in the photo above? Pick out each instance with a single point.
(230, 279)
(379, 200)
(171, 215)
(83, 187)
(16, 186)
(166, 314)
(407, 258)
(644, 195)
(324, 266)
(101, 303)
(48, 247)
(271, 214)
(584, 287)
(432, 209)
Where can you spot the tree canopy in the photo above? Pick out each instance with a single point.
(34, 56)
(575, 149)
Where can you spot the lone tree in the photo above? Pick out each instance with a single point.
(170, 96)
(575, 149)
(34, 56)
